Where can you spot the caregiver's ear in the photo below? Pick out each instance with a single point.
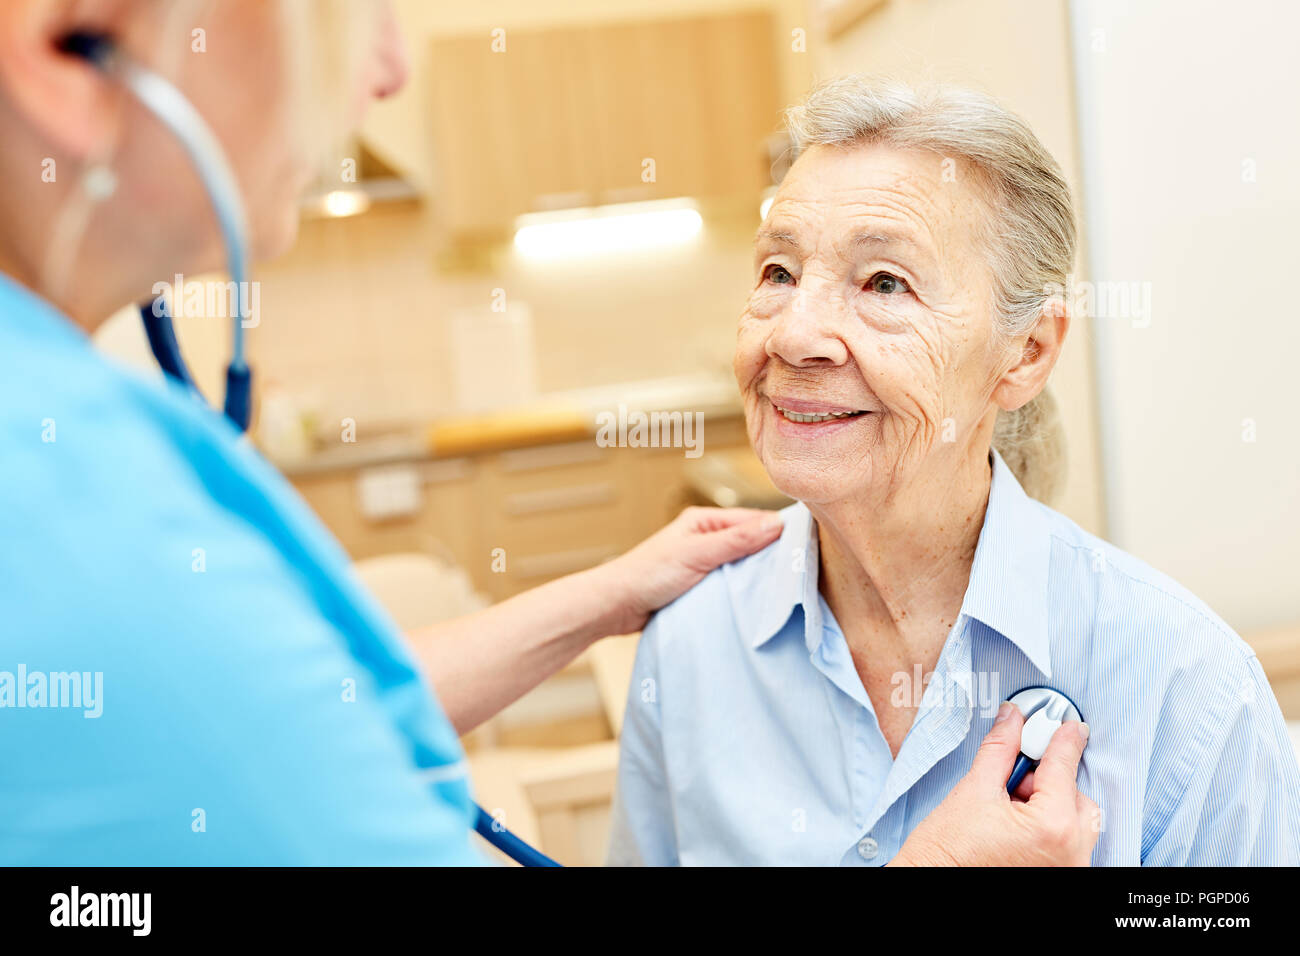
(1035, 356)
(64, 101)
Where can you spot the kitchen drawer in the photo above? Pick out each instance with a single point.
(535, 488)
(446, 523)
(554, 510)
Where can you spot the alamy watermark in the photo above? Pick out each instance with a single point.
(210, 299)
(73, 690)
(979, 690)
(638, 429)
(1107, 299)
(77, 908)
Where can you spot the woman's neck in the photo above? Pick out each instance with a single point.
(894, 570)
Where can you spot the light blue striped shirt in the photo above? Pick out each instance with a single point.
(749, 738)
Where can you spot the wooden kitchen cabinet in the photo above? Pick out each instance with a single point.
(447, 525)
(566, 116)
(552, 509)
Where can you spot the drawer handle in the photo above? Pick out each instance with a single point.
(560, 499)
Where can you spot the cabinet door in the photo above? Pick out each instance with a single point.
(697, 96)
(567, 117)
(511, 127)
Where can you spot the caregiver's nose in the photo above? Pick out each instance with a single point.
(390, 65)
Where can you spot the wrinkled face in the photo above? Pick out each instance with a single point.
(864, 353)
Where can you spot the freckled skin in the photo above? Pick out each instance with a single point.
(898, 494)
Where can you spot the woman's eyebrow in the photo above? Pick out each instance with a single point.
(878, 241)
(777, 237)
(882, 239)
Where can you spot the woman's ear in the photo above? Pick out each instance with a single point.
(1039, 350)
(65, 100)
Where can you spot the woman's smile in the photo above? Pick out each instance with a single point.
(804, 418)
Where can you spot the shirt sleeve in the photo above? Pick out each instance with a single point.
(641, 832)
(1234, 799)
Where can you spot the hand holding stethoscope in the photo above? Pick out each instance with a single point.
(1044, 821)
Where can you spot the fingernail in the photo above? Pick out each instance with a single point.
(1004, 711)
(772, 522)
(1083, 731)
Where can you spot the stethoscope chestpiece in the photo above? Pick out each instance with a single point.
(1044, 710)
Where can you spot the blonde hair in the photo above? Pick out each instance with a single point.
(1029, 231)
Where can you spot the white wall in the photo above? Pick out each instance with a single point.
(1179, 105)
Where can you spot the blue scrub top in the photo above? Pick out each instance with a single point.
(189, 671)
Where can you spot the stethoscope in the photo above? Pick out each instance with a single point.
(170, 107)
(1044, 710)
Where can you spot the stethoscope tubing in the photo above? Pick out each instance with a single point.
(509, 844)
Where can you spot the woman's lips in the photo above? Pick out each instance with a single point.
(805, 415)
(804, 409)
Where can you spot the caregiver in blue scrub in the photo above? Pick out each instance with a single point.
(189, 672)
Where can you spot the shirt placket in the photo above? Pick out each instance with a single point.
(942, 723)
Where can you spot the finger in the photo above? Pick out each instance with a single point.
(1025, 789)
(998, 752)
(718, 519)
(1059, 768)
(730, 544)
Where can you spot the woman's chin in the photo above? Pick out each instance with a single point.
(809, 482)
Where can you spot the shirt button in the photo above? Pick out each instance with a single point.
(868, 848)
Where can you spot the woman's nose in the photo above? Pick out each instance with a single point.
(804, 334)
(390, 64)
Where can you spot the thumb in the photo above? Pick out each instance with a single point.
(730, 544)
(997, 754)
(1057, 771)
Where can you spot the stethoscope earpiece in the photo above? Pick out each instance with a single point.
(1045, 710)
(94, 47)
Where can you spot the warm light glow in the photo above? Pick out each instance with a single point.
(341, 203)
(766, 205)
(604, 230)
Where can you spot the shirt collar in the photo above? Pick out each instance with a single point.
(791, 581)
(1008, 581)
(1007, 591)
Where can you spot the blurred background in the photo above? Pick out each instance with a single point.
(553, 221)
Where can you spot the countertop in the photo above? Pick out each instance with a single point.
(550, 418)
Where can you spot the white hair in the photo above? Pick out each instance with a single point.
(1029, 229)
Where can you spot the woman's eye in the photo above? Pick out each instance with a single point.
(778, 274)
(886, 284)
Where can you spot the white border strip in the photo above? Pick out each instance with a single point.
(1088, 129)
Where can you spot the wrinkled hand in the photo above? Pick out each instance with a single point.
(1047, 823)
(676, 558)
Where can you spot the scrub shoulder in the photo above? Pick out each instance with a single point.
(190, 675)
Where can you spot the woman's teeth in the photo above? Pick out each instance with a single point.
(805, 419)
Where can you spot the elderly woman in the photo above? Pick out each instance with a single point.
(893, 358)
